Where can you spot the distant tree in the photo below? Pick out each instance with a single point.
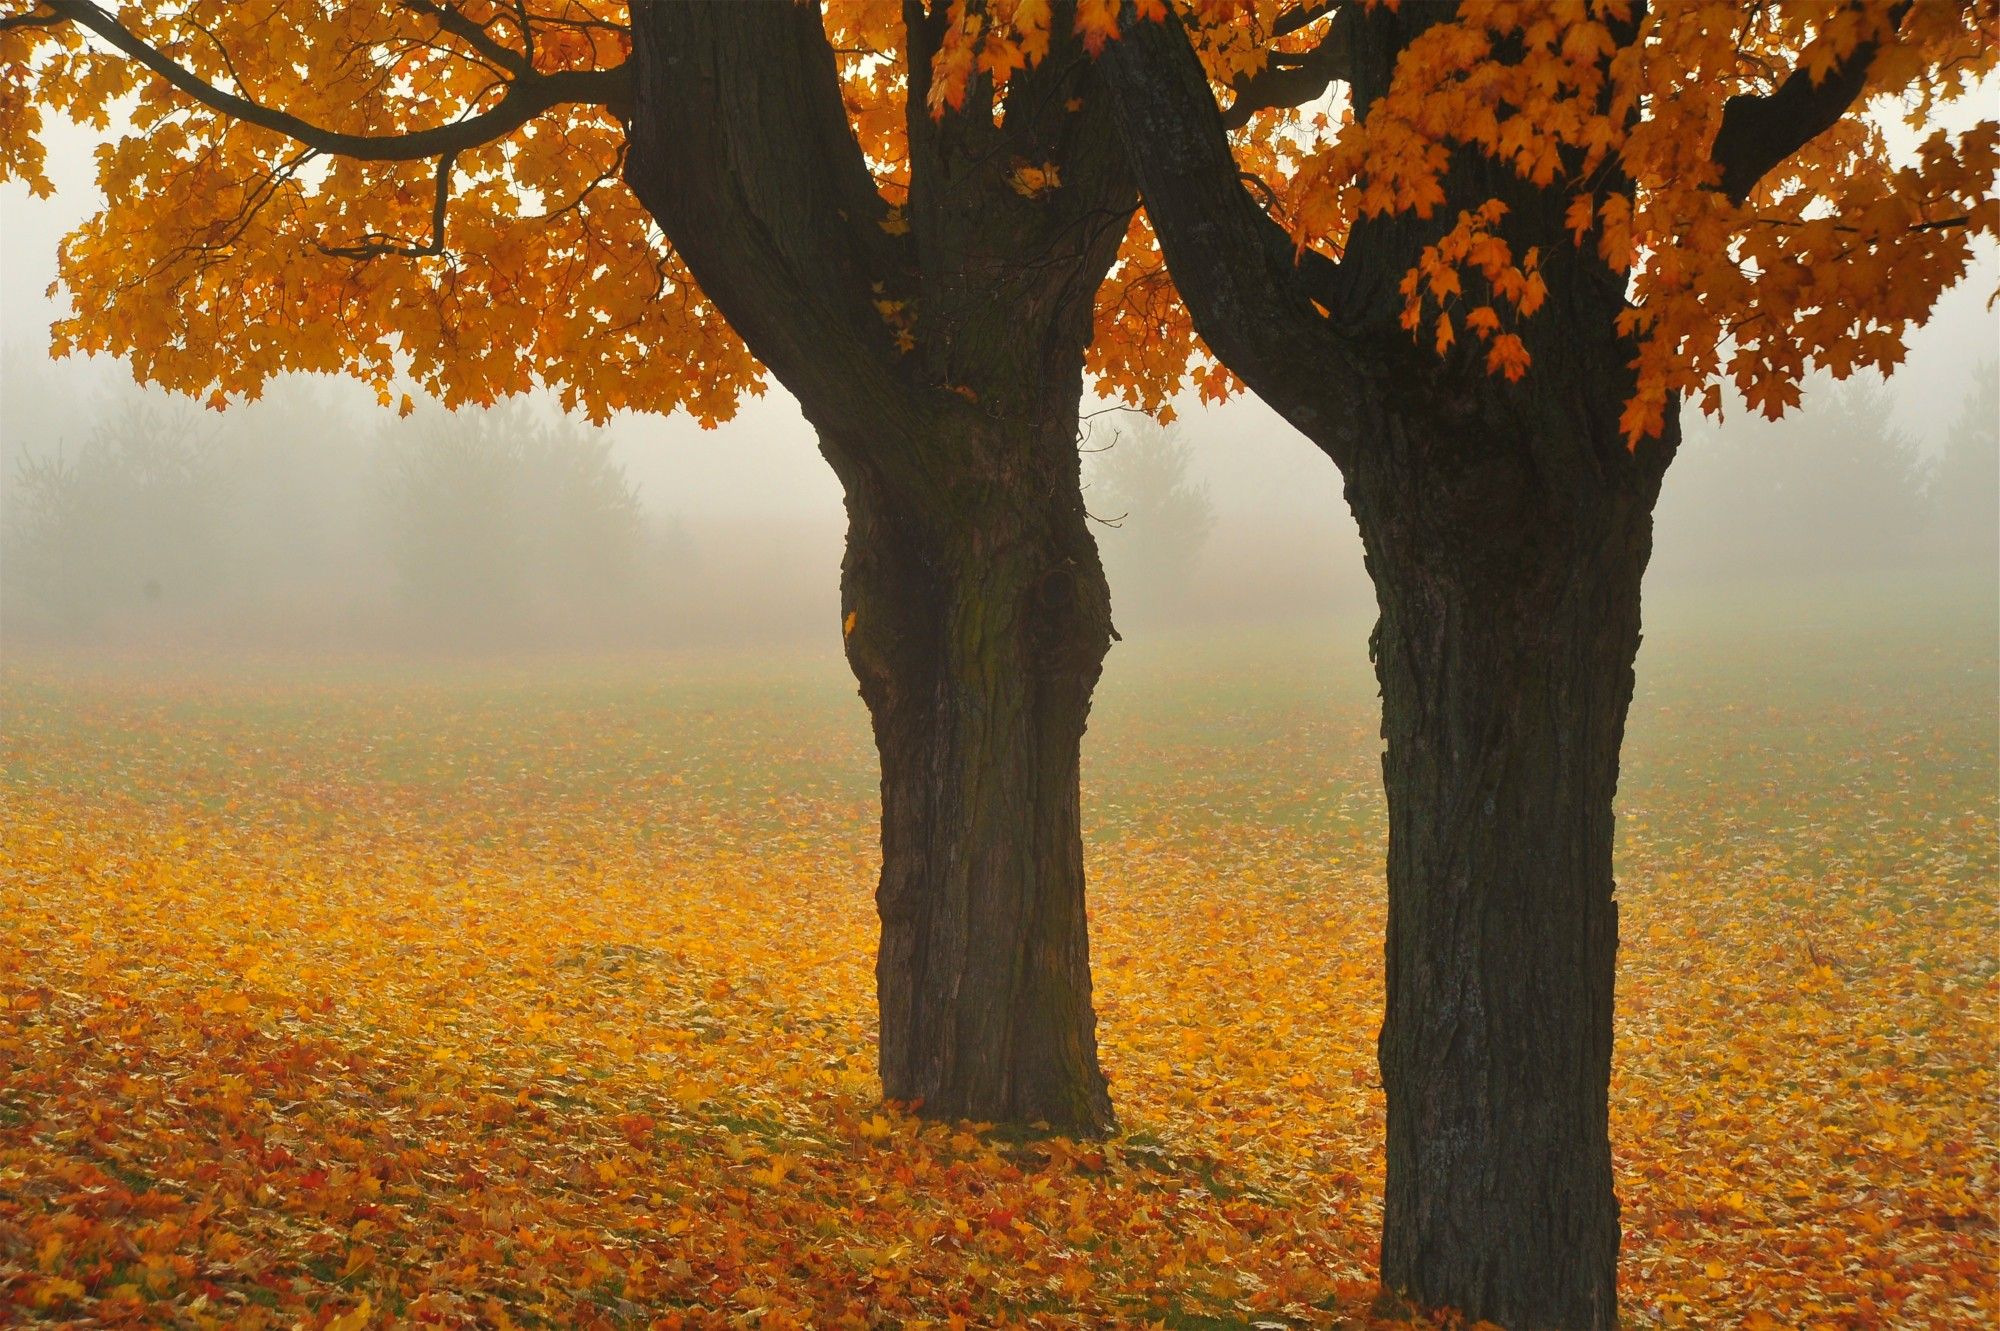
(499, 522)
(300, 463)
(135, 514)
(1834, 487)
(1156, 519)
(586, 529)
(28, 425)
(1964, 483)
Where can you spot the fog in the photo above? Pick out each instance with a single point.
(314, 519)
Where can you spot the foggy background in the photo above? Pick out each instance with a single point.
(314, 519)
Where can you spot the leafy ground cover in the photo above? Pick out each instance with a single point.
(540, 994)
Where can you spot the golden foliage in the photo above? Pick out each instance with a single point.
(1827, 264)
(208, 267)
(348, 1002)
(1795, 278)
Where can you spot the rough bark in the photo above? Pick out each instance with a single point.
(977, 645)
(975, 609)
(1509, 595)
(1502, 715)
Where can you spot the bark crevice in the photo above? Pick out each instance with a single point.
(1507, 545)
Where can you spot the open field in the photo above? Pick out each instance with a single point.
(540, 993)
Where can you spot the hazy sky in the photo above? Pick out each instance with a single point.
(762, 464)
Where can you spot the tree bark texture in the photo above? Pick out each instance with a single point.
(1505, 647)
(977, 647)
(937, 348)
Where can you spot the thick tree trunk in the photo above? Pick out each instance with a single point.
(1508, 575)
(977, 636)
(937, 346)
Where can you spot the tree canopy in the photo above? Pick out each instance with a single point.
(1706, 150)
(481, 145)
(438, 186)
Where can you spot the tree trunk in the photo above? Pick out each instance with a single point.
(1507, 527)
(937, 347)
(1507, 571)
(977, 636)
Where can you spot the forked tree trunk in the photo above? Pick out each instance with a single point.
(1509, 625)
(937, 347)
(977, 635)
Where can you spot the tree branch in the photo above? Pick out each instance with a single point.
(1758, 133)
(1304, 16)
(525, 98)
(473, 35)
(374, 245)
(204, 253)
(741, 149)
(1294, 79)
(1251, 292)
(31, 21)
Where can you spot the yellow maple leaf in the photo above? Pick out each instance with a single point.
(355, 1318)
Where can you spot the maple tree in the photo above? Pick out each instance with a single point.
(1482, 291)
(489, 197)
